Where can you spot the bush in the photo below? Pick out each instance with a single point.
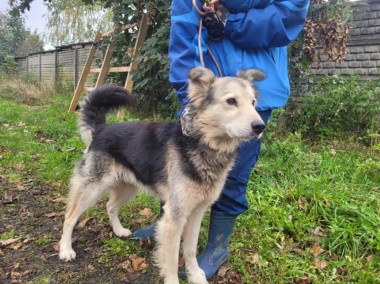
(338, 106)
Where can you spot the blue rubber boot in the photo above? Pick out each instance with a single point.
(216, 251)
(149, 231)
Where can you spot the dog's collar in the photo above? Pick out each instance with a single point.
(187, 119)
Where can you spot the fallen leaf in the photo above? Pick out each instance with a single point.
(138, 263)
(319, 264)
(1, 252)
(303, 280)
(61, 199)
(302, 202)
(147, 212)
(222, 271)
(369, 258)
(54, 214)
(19, 166)
(255, 259)
(16, 246)
(316, 249)
(8, 198)
(318, 231)
(126, 265)
(84, 222)
(4, 243)
(90, 267)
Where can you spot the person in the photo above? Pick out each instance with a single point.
(253, 34)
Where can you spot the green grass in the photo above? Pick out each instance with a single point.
(300, 195)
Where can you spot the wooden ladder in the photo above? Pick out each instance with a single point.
(105, 68)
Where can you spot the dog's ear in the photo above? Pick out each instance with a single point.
(251, 75)
(200, 80)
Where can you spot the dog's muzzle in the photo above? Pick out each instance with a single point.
(257, 127)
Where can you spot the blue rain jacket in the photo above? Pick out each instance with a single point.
(257, 33)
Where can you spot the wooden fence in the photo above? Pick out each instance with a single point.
(64, 64)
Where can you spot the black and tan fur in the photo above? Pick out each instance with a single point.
(186, 172)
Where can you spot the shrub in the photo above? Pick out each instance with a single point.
(337, 106)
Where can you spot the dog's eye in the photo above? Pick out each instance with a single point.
(253, 102)
(232, 101)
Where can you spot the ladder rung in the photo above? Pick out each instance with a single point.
(94, 70)
(88, 89)
(112, 69)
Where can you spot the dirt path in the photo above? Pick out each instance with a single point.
(30, 227)
(34, 217)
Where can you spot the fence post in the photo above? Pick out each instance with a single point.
(55, 65)
(75, 66)
(40, 69)
(27, 65)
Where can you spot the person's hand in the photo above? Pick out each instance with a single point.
(211, 6)
(212, 21)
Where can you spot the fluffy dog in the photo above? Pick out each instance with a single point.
(187, 172)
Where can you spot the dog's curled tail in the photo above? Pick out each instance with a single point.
(97, 104)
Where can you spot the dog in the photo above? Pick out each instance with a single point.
(187, 172)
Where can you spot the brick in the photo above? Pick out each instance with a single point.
(368, 64)
(341, 65)
(355, 32)
(363, 57)
(375, 56)
(370, 15)
(374, 22)
(371, 49)
(361, 24)
(357, 49)
(374, 71)
(367, 31)
(346, 71)
(377, 30)
(328, 65)
(361, 71)
(332, 71)
(354, 64)
(350, 57)
(375, 7)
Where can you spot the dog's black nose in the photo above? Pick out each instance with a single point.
(258, 127)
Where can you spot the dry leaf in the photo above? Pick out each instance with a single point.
(222, 271)
(369, 258)
(126, 265)
(4, 243)
(16, 246)
(255, 259)
(8, 198)
(19, 166)
(303, 280)
(319, 264)
(84, 222)
(318, 231)
(61, 199)
(54, 214)
(316, 249)
(147, 212)
(138, 263)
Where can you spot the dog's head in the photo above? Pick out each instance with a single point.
(225, 107)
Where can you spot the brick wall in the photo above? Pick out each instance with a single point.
(363, 51)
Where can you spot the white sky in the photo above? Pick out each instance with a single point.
(35, 19)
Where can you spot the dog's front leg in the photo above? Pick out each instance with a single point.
(168, 237)
(190, 240)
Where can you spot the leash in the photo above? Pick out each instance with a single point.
(202, 13)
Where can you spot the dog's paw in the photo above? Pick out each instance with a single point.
(122, 232)
(197, 276)
(67, 254)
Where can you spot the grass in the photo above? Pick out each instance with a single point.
(314, 214)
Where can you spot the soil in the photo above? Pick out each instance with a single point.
(33, 213)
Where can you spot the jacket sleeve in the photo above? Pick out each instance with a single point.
(275, 25)
(183, 47)
(242, 6)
